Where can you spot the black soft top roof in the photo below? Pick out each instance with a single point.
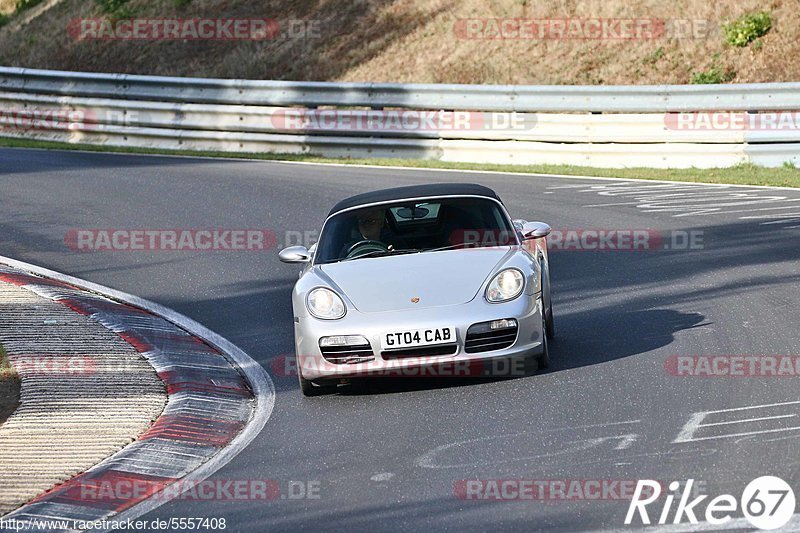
(415, 191)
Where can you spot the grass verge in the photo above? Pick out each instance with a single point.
(746, 174)
(9, 387)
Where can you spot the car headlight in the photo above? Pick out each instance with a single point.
(325, 304)
(505, 286)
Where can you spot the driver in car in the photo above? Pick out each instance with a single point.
(370, 226)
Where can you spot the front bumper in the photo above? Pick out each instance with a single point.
(526, 310)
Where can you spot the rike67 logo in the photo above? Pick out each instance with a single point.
(767, 502)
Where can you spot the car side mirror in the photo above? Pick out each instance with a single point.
(519, 223)
(295, 254)
(535, 230)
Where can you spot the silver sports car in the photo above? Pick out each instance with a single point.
(427, 276)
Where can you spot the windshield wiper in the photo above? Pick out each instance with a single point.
(466, 245)
(382, 253)
(450, 247)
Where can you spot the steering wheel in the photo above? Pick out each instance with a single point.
(364, 247)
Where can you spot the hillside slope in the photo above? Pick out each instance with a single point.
(422, 41)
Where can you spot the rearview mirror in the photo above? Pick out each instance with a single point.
(295, 254)
(535, 230)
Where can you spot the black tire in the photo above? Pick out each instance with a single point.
(544, 357)
(550, 326)
(549, 323)
(309, 388)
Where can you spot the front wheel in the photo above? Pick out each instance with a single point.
(549, 322)
(308, 388)
(544, 357)
(547, 298)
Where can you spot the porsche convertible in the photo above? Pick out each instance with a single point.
(415, 276)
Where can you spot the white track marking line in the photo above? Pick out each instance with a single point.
(781, 221)
(743, 434)
(666, 191)
(417, 169)
(732, 409)
(680, 198)
(426, 460)
(611, 204)
(759, 419)
(714, 213)
(695, 423)
(690, 427)
(685, 200)
(761, 208)
(785, 216)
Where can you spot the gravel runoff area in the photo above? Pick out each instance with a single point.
(85, 394)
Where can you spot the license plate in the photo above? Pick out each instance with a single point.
(394, 340)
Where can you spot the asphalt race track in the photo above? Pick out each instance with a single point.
(392, 454)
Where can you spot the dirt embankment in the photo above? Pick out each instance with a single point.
(429, 41)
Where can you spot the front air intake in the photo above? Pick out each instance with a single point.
(490, 336)
(348, 355)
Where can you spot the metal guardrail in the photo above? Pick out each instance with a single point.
(531, 98)
(599, 126)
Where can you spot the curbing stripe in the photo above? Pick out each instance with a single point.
(205, 424)
(84, 395)
(78, 490)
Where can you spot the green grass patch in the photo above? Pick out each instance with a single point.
(23, 5)
(746, 174)
(653, 57)
(19, 7)
(117, 9)
(747, 28)
(713, 75)
(9, 387)
(6, 370)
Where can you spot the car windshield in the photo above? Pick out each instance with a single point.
(414, 226)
